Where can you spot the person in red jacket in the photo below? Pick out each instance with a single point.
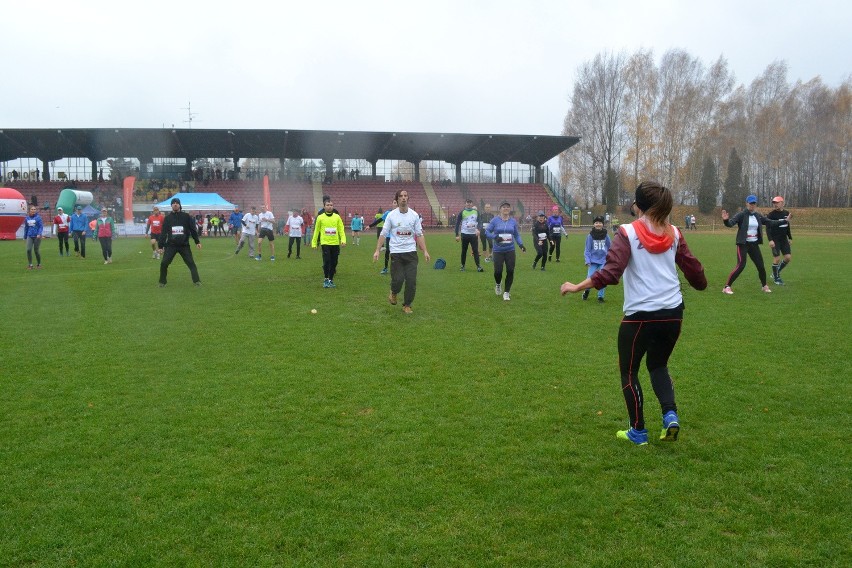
(647, 254)
(60, 226)
(105, 230)
(153, 228)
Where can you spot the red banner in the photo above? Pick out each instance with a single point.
(129, 183)
(267, 201)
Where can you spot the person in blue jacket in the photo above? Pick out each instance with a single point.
(504, 231)
(557, 229)
(597, 245)
(235, 223)
(79, 225)
(33, 231)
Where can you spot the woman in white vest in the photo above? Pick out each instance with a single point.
(646, 252)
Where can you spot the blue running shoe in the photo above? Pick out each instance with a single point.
(638, 437)
(325, 283)
(331, 284)
(384, 271)
(671, 427)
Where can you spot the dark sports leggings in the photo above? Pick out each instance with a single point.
(752, 250)
(62, 238)
(185, 253)
(329, 260)
(540, 252)
(106, 247)
(557, 246)
(387, 245)
(469, 241)
(80, 243)
(484, 240)
(298, 241)
(653, 334)
(498, 258)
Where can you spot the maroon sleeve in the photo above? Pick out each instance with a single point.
(616, 261)
(689, 265)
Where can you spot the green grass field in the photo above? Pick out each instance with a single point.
(227, 426)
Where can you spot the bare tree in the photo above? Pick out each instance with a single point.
(597, 108)
(642, 81)
(665, 122)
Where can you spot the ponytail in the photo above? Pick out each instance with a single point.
(656, 202)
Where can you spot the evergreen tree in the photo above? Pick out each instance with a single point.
(709, 188)
(734, 194)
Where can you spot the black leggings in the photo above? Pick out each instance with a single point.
(186, 254)
(387, 246)
(485, 241)
(540, 252)
(752, 250)
(469, 241)
(298, 241)
(80, 243)
(329, 260)
(63, 238)
(106, 247)
(556, 244)
(654, 334)
(498, 258)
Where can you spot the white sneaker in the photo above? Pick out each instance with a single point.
(506, 297)
(727, 290)
(767, 290)
(497, 289)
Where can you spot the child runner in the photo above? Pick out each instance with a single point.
(597, 245)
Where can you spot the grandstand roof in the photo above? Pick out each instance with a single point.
(97, 144)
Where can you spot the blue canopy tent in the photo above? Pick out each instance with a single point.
(197, 202)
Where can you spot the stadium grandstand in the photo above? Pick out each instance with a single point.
(360, 170)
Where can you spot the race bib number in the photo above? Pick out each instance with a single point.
(504, 237)
(31, 222)
(155, 223)
(404, 233)
(557, 230)
(331, 231)
(177, 230)
(542, 235)
(62, 225)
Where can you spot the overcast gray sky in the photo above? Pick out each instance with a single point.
(503, 67)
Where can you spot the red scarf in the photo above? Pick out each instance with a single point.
(653, 243)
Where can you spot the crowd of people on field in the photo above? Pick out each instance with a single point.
(645, 254)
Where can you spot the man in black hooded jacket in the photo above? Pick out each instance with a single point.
(178, 227)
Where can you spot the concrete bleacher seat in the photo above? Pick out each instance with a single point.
(44, 191)
(290, 195)
(364, 196)
(533, 196)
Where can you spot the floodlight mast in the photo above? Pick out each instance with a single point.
(190, 115)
